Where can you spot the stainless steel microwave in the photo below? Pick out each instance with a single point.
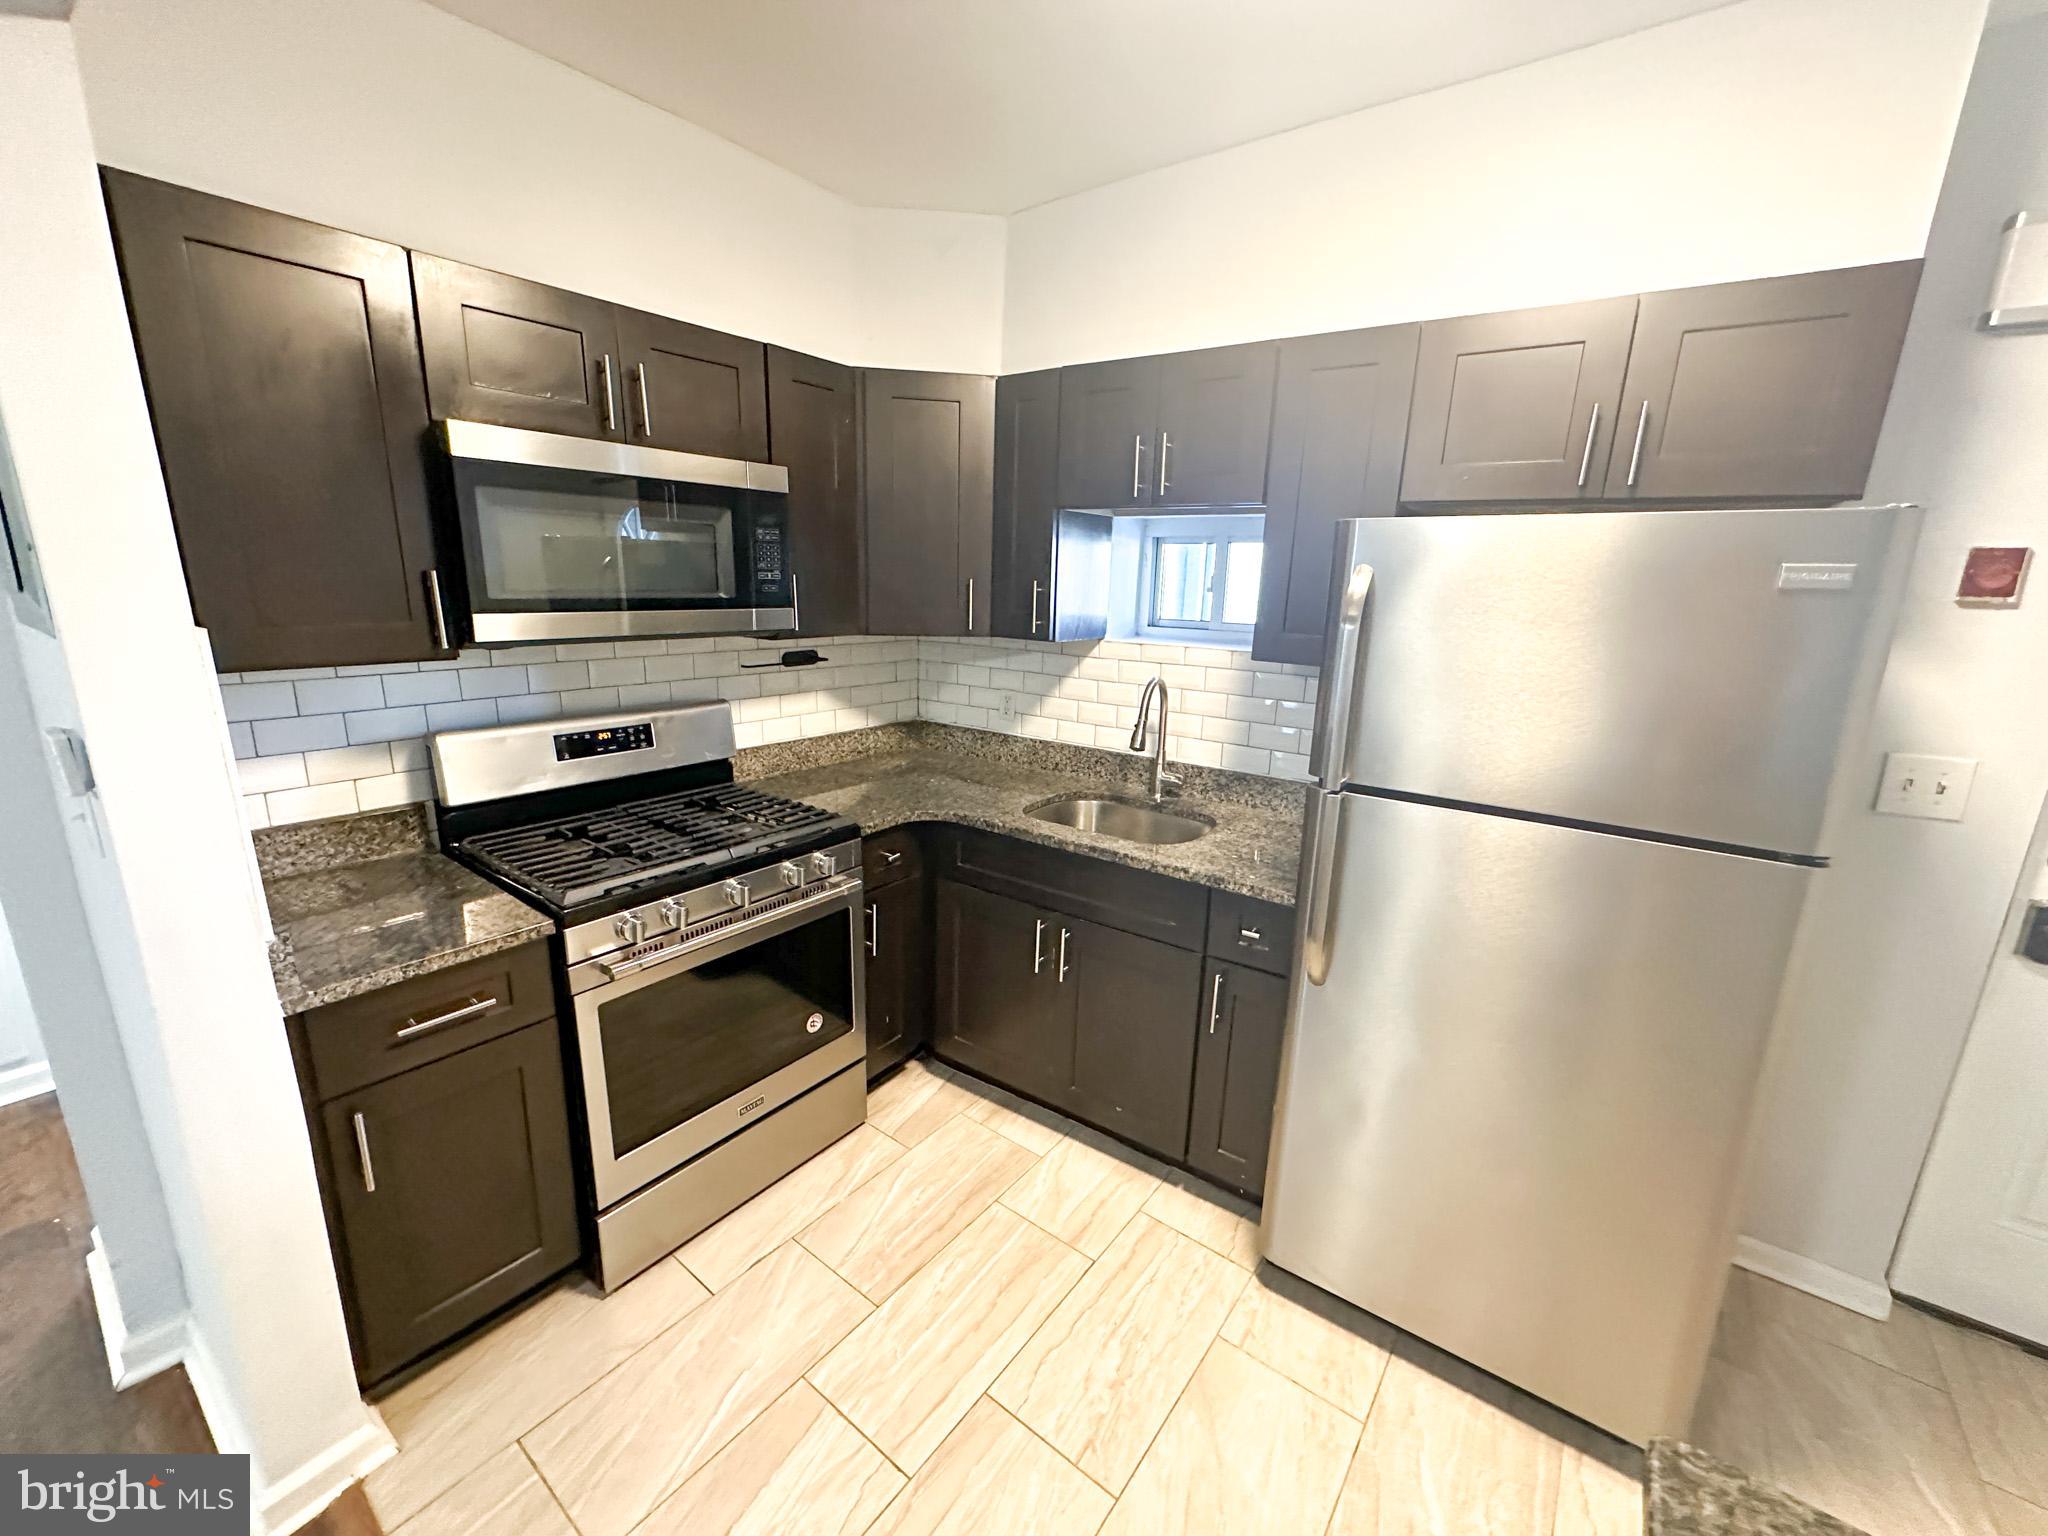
(573, 538)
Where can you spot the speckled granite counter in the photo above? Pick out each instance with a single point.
(1689, 1493)
(361, 902)
(894, 775)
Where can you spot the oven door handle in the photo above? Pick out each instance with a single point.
(831, 891)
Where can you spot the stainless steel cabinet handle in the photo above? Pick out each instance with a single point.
(1038, 947)
(1036, 587)
(1063, 957)
(468, 1010)
(874, 928)
(1165, 447)
(1249, 935)
(611, 403)
(970, 605)
(1137, 453)
(363, 1154)
(1635, 456)
(646, 410)
(891, 858)
(437, 612)
(1215, 1001)
(1586, 455)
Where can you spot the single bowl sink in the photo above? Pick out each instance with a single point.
(1122, 819)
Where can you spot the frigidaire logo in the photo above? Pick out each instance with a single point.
(166, 1495)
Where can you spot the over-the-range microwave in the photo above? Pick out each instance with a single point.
(572, 538)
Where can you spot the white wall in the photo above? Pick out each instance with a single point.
(169, 890)
(1902, 931)
(1771, 136)
(24, 1067)
(393, 119)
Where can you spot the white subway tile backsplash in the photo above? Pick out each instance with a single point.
(348, 763)
(386, 724)
(495, 683)
(553, 676)
(1302, 716)
(467, 715)
(588, 650)
(529, 706)
(339, 695)
(261, 775)
(310, 733)
(610, 674)
(311, 803)
(511, 656)
(394, 789)
(1258, 711)
(259, 701)
(643, 696)
(380, 669)
(1246, 760)
(422, 688)
(286, 675)
(590, 701)
(243, 735)
(409, 756)
(1279, 738)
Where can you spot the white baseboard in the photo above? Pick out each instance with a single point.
(131, 1356)
(1870, 1297)
(25, 1082)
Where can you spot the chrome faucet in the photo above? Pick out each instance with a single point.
(1162, 781)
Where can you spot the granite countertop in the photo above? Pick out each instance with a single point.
(922, 772)
(363, 902)
(1690, 1493)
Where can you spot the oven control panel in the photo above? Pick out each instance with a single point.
(573, 746)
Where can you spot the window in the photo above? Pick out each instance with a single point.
(1199, 579)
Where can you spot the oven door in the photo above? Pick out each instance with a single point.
(687, 1044)
(567, 538)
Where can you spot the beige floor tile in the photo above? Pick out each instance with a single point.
(1031, 1126)
(1904, 1341)
(1100, 1377)
(798, 1470)
(618, 1449)
(908, 1374)
(1446, 1450)
(2014, 1516)
(1312, 1338)
(1731, 1419)
(993, 1477)
(1084, 1190)
(1217, 1221)
(719, 1254)
(1245, 1452)
(2001, 1394)
(1594, 1499)
(920, 1098)
(452, 1419)
(503, 1497)
(885, 1231)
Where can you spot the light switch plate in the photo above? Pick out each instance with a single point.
(1937, 788)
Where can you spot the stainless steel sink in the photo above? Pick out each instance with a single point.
(1122, 819)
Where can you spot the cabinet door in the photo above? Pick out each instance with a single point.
(1026, 503)
(899, 973)
(1109, 419)
(928, 477)
(1215, 419)
(1340, 420)
(1000, 1008)
(1761, 390)
(284, 381)
(692, 389)
(811, 434)
(1131, 1049)
(517, 354)
(453, 1192)
(1517, 406)
(1237, 1075)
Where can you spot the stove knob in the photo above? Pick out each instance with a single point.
(737, 893)
(674, 913)
(631, 927)
(792, 873)
(824, 865)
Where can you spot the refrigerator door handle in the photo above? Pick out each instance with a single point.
(1319, 885)
(1343, 662)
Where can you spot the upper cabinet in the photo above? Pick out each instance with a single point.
(692, 389)
(1773, 388)
(1026, 503)
(284, 381)
(811, 433)
(927, 451)
(1339, 420)
(1188, 429)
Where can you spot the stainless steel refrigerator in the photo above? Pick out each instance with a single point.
(1573, 777)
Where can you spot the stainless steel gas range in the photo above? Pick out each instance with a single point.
(710, 954)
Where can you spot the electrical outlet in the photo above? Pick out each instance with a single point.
(1009, 706)
(1937, 788)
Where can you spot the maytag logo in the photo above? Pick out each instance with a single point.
(1816, 577)
(170, 1495)
(752, 1104)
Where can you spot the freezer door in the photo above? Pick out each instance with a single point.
(1511, 1117)
(1685, 673)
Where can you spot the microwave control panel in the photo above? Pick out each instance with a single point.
(771, 559)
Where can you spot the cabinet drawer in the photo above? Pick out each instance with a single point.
(1134, 900)
(408, 1025)
(890, 856)
(1251, 932)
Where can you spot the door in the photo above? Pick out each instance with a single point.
(1026, 503)
(453, 1190)
(1237, 1075)
(511, 353)
(1109, 418)
(1130, 1056)
(1687, 673)
(1340, 420)
(811, 434)
(1000, 1009)
(284, 382)
(1774, 388)
(1512, 1116)
(899, 973)
(1517, 406)
(692, 389)
(1215, 421)
(928, 450)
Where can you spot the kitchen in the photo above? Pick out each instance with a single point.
(979, 616)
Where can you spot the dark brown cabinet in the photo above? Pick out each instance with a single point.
(1237, 1075)
(993, 1013)
(452, 1192)
(1109, 422)
(1027, 502)
(899, 968)
(284, 381)
(1188, 429)
(1340, 419)
(693, 389)
(811, 433)
(927, 455)
(1125, 1004)
(1773, 388)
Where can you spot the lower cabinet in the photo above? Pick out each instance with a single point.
(1237, 1075)
(997, 1008)
(899, 938)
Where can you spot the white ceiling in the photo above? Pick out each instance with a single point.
(990, 106)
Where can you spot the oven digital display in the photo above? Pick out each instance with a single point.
(572, 745)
